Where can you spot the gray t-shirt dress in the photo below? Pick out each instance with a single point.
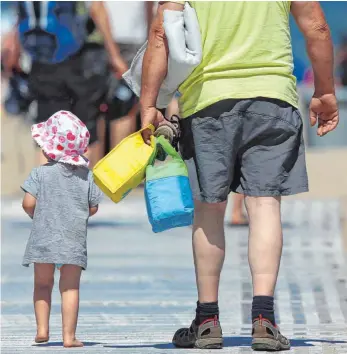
(63, 195)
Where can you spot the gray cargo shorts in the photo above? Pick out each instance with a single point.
(249, 146)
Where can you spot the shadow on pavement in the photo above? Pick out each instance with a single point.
(60, 344)
(231, 342)
(91, 224)
(95, 224)
(111, 224)
(285, 225)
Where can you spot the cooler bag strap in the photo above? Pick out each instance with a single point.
(168, 148)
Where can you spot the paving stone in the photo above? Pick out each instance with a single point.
(140, 287)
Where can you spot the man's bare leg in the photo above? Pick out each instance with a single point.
(265, 242)
(264, 254)
(208, 248)
(209, 252)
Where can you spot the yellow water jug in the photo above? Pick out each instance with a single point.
(124, 167)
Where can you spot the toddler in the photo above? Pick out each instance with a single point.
(60, 196)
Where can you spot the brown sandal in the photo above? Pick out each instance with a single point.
(206, 336)
(267, 337)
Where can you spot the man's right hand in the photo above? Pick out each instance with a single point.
(311, 21)
(324, 109)
(150, 115)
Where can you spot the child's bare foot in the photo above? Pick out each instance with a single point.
(74, 343)
(41, 339)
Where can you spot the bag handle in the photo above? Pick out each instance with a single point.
(168, 148)
(150, 126)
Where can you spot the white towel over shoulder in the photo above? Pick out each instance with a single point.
(185, 52)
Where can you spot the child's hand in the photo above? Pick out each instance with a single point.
(29, 204)
(93, 210)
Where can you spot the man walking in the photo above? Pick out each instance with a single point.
(242, 132)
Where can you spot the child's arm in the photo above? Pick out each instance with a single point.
(29, 203)
(31, 188)
(95, 196)
(93, 210)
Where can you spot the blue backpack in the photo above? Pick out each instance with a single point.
(52, 31)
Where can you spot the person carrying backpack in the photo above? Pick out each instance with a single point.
(54, 33)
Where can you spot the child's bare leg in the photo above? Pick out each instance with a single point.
(43, 285)
(69, 286)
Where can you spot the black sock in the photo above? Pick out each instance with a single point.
(263, 306)
(205, 311)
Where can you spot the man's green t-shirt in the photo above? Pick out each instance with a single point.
(246, 53)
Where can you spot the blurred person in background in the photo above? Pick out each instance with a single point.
(237, 215)
(130, 21)
(241, 130)
(54, 33)
(13, 84)
(96, 67)
(173, 108)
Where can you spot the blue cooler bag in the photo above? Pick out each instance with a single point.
(168, 194)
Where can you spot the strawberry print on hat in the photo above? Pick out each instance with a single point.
(63, 137)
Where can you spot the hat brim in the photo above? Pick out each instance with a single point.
(78, 160)
(37, 133)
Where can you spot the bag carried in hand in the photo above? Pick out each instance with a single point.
(168, 194)
(124, 168)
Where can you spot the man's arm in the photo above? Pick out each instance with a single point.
(310, 19)
(149, 14)
(155, 63)
(100, 17)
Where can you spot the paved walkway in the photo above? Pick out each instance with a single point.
(139, 286)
